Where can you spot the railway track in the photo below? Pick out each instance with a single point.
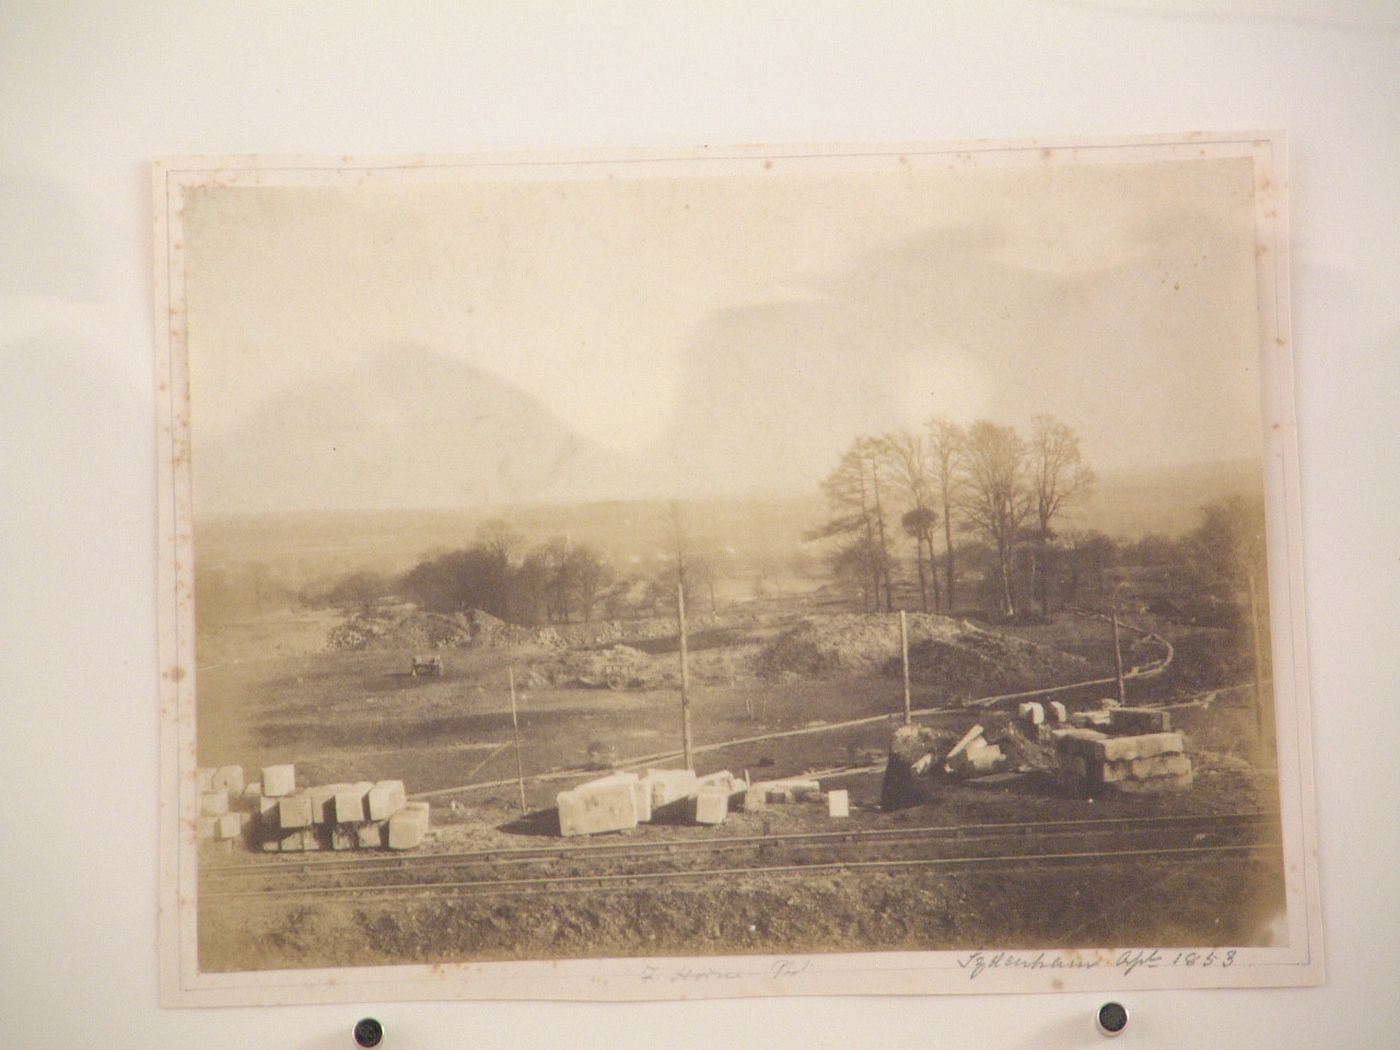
(610, 865)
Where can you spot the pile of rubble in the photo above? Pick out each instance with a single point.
(274, 815)
(622, 800)
(1111, 750)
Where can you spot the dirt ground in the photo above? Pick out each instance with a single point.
(345, 715)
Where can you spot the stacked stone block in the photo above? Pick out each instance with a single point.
(273, 814)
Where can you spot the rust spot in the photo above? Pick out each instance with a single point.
(1058, 985)
(1046, 153)
(1280, 341)
(1261, 249)
(768, 165)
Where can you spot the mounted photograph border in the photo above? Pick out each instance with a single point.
(992, 969)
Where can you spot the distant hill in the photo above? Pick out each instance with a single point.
(413, 429)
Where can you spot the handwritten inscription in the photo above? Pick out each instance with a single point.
(1126, 962)
(779, 969)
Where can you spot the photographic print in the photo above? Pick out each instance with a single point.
(816, 570)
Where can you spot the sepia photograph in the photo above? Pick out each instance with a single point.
(752, 571)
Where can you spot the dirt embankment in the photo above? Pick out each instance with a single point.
(410, 629)
(955, 655)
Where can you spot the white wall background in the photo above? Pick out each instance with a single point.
(89, 92)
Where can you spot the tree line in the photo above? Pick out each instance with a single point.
(982, 482)
(983, 503)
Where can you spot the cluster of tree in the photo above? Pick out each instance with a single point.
(553, 582)
(982, 483)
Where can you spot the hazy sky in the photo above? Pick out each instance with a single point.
(732, 331)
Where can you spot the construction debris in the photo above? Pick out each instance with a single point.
(911, 756)
(1093, 764)
(273, 815)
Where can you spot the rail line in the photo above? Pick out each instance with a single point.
(575, 883)
(1027, 841)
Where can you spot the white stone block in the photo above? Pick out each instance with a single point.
(838, 803)
(409, 826)
(711, 805)
(213, 803)
(1058, 711)
(609, 807)
(350, 805)
(278, 781)
(385, 799)
(230, 779)
(294, 811)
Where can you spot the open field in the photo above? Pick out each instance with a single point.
(345, 715)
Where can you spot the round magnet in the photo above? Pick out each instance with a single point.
(368, 1032)
(1112, 1018)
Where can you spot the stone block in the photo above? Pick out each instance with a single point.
(323, 801)
(385, 799)
(344, 836)
(1058, 711)
(350, 805)
(213, 803)
(230, 779)
(207, 829)
(1117, 749)
(608, 807)
(964, 742)
(1075, 741)
(409, 826)
(231, 825)
(1146, 768)
(1137, 721)
(1031, 712)
(838, 803)
(278, 781)
(1090, 719)
(723, 780)
(670, 785)
(253, 791)
(978, 761)
(303, 840)
(267, 809)
(711, 805)
(204, 776)
(294, 811)
(1153, 786)
(371, 834)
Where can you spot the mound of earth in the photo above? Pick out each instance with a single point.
(412, 631)
(958, 657)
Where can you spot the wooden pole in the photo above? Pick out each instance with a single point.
(515, 727)
(1118, 658)
(904, 649)
(685, 679)
(1258, 659)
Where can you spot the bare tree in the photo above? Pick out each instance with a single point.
(1059, 477)
(853, 494)
(947, 442)
(998, 500)
(589, 574)
(908, 453)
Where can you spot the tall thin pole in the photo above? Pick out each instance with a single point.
(1118, 657)
(1258, 658)
(515, 726)
(904, 649)
(685, 679)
